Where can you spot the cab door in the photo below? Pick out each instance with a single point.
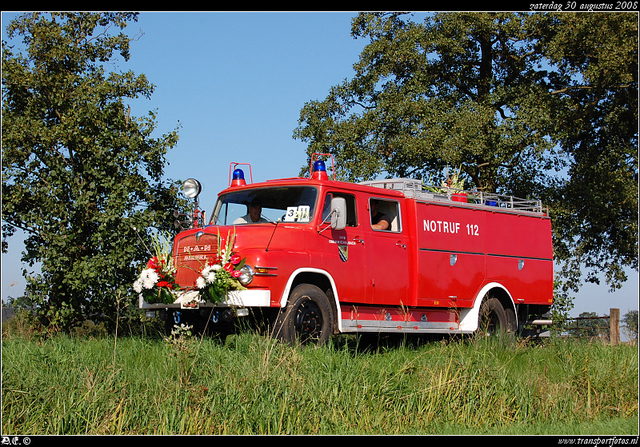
(388, 254)
(344, 252)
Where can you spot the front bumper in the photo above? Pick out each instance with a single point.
(235, 298)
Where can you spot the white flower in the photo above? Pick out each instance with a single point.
(200, 282)
(137, 286)
(209, 274)
(149, 278)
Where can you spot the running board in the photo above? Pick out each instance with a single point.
(399, 320)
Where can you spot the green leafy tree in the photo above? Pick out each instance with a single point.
(79, 173)
(630, 321)
(595, 207)
(533, 105)
(446, 92)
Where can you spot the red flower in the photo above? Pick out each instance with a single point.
(236, 273)
(153, 263)
(235, 259)
(228, 267)
(163, 284)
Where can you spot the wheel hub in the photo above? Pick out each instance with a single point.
(308, 320)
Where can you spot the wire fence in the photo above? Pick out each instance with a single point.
(606, 328)
(7, 313)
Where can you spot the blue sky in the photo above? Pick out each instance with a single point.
(235, 83)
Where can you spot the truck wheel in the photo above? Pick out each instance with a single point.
(492, 318)
(307, 319)
(512, 325)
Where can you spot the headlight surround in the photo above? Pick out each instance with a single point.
(246, 275)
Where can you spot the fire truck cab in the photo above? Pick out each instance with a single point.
(320, 263)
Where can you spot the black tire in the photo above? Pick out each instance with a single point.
(492, 318)
(307, 318)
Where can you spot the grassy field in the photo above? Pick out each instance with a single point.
(253, 385)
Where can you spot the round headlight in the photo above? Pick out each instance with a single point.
(246, 275)
(191, 188)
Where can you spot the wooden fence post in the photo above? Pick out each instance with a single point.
(614, 326)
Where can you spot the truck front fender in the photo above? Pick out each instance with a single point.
(313, 276)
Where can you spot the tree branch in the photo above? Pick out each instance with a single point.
(586, 87)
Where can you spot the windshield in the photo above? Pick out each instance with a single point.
(262, 205)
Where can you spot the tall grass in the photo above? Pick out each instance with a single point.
(254, 385)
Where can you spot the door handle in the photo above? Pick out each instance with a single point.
(401, 245)
(357, 239)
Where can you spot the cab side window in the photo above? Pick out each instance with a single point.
(352, 216)
(385, 215)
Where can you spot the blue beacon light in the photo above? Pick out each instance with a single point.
(320, 171)
(238, 178)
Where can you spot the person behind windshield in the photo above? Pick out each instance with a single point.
(253, 216)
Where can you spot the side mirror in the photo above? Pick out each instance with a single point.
(338, 213)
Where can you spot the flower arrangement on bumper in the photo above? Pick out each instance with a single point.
(223, 275)
(156, 283)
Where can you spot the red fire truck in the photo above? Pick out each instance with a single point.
(443, 262)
